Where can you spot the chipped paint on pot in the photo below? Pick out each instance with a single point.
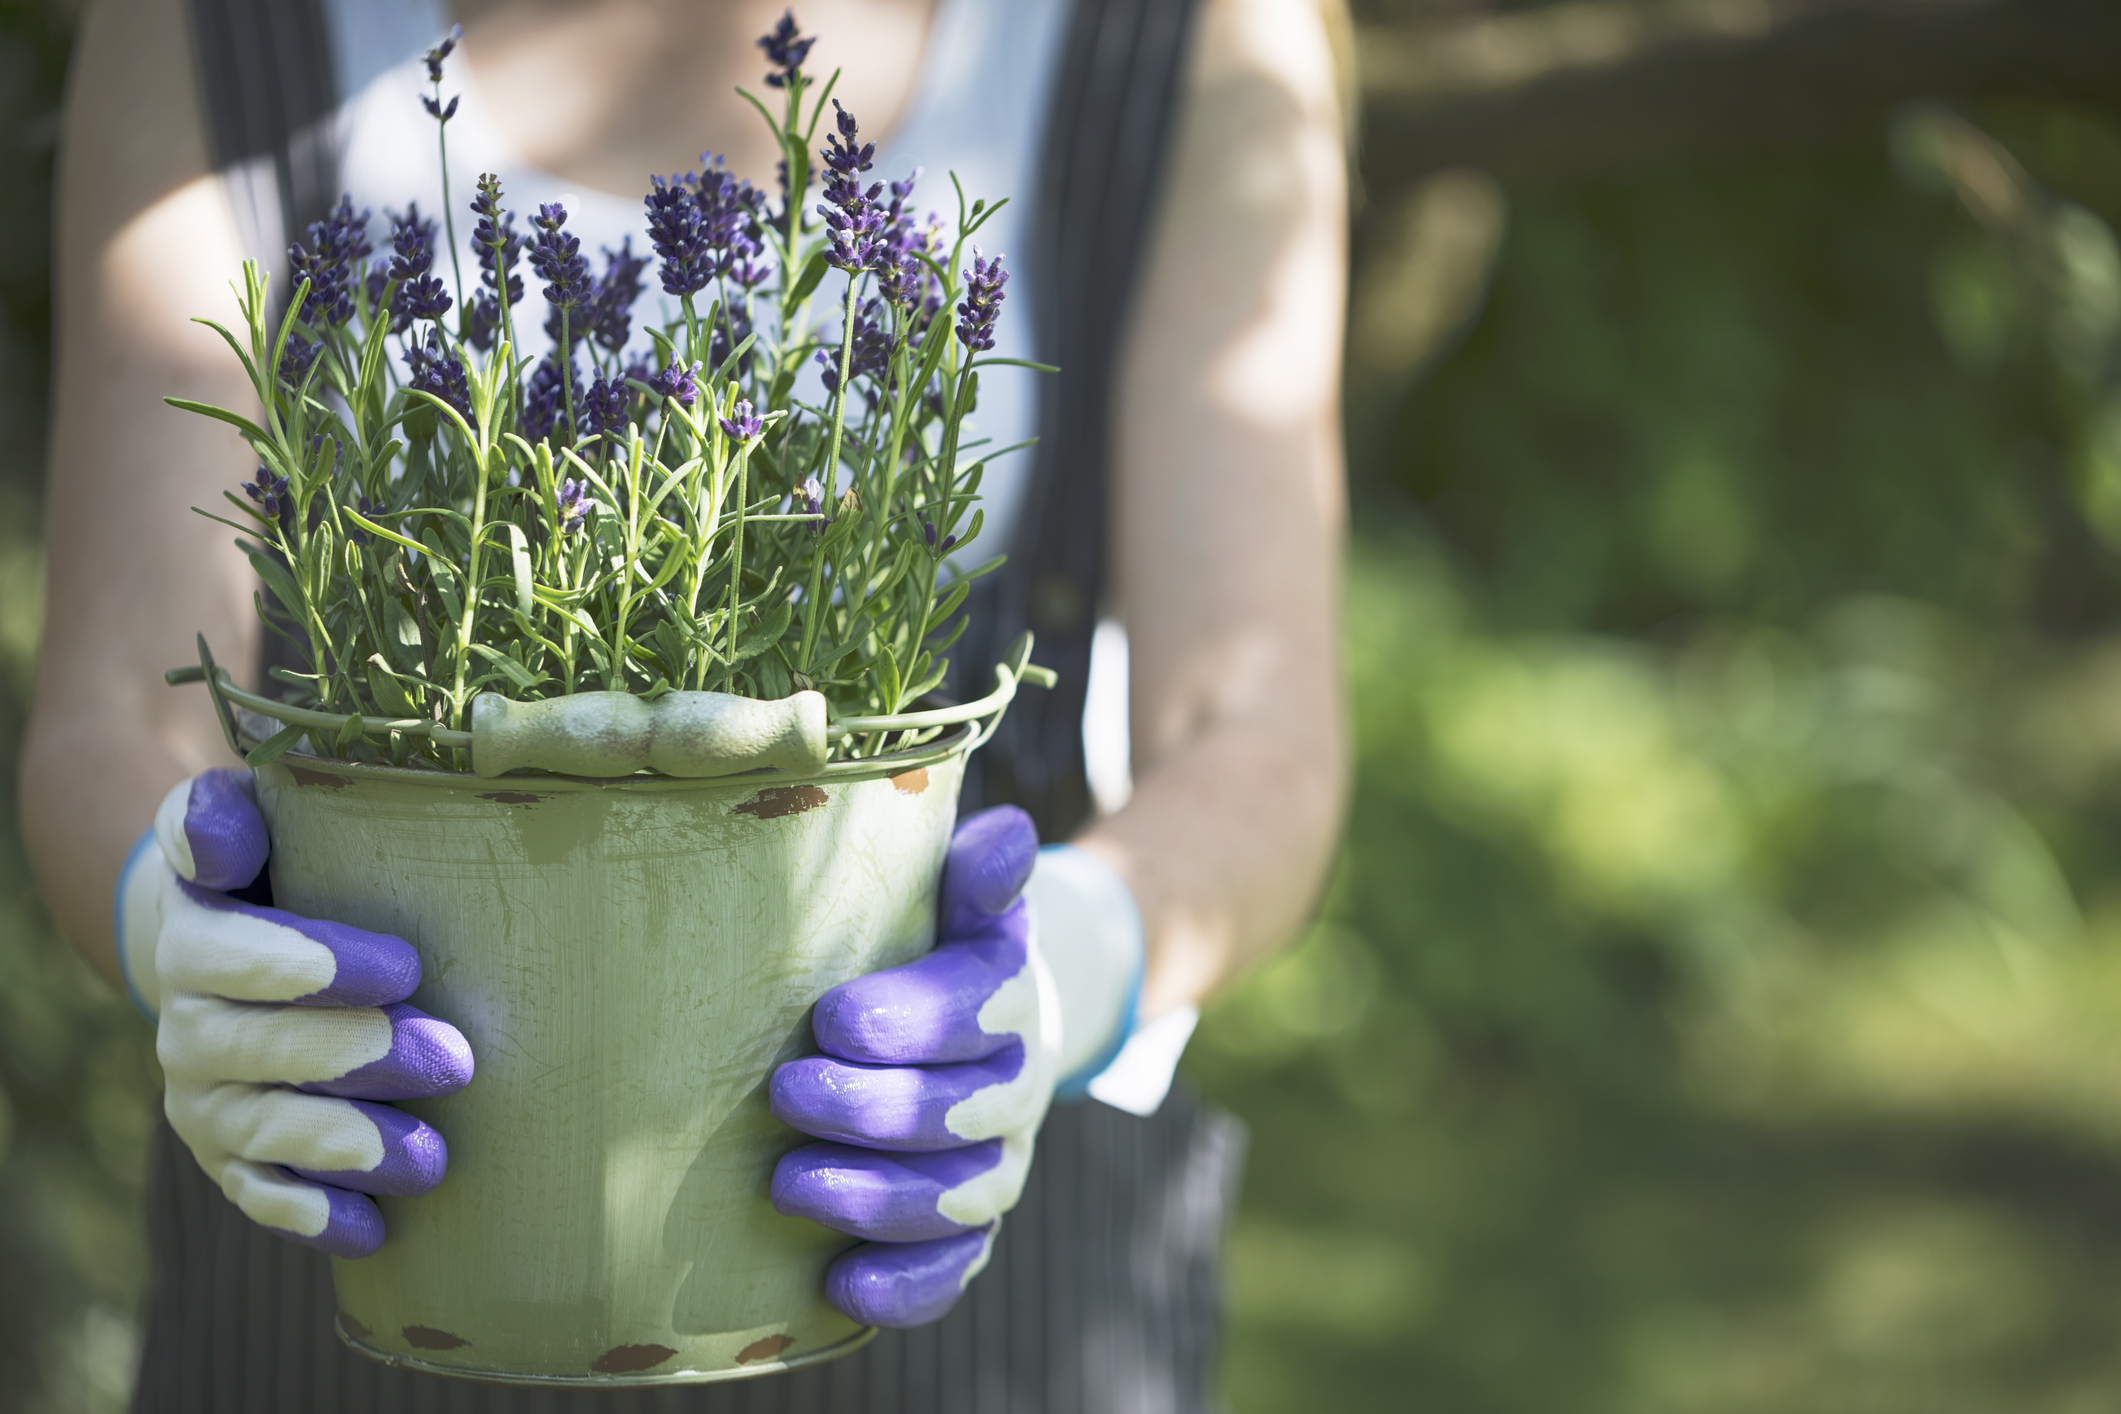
(630, 959)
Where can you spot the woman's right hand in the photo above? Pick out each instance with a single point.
(279, 1035)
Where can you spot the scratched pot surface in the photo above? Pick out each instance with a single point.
(629, 960)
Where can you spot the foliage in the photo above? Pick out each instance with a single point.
(1716, 1008)
(77, 1071)
(686, 522)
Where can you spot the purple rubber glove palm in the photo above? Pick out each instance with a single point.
(935, 1078)
(277, 1034)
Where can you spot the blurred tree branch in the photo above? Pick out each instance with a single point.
(1588, 89)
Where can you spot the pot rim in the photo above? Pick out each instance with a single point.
(955, 741)
(942, 731)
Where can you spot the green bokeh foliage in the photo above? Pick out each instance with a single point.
(1718, 1003)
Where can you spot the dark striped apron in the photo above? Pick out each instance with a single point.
(1102, 1293)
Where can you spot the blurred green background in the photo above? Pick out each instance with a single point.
(1717, 1006)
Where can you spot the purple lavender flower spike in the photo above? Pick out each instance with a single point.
(557, 258)
(544, 403)
(426, 1057)
(223, 829)
(415, 1157)
(787, 48)
(369, 969)
(898, 1285)
(296, 360)
(605, 408)
(611, 307)
(885, 1107)
(420, 294)
(982, 304)
(500, 248)
(354, 1228)
(433, 371)
(677, 229)
(442, 51)
(883, 1197)
(331, 263)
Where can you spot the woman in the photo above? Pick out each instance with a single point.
(1188, 276)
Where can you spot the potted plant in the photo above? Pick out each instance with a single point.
(611, 710)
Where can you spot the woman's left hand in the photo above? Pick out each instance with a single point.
(935, 1078)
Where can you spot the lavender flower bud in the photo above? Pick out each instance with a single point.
(742, 424)
(370, 509)
(436, 110)
(676, 381)
(786, 48)
(268, 491)
(575, 505)
(295, 360)
(442, 51)
(812, 496)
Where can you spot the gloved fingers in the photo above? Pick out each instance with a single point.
(990, 858)
(214, 944)
(395, 1052)
(910, 1107)
(902, 1284)
(883, 1197)
(332, 1220)
(964, 1001)
(210, 830)
(350, 1144)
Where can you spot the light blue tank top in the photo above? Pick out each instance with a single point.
(978, 110)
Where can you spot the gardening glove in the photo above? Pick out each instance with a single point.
(936, 1075)
(277, 1034)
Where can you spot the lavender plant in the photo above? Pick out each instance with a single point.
(434, 516)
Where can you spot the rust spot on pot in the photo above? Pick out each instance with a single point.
(764, 1348)
(511, 797)
(912, 782)
(775, 801)
(353, 1326)
(306, 777)
(428, 1338)
(625, 1359)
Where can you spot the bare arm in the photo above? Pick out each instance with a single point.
(1228, 509)
(145, 241)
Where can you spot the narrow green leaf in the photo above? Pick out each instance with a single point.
(807, 282)
(235, 420)
(515, 672)
(274, 746)
(519, 560)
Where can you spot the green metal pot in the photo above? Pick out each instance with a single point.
(630, 959)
